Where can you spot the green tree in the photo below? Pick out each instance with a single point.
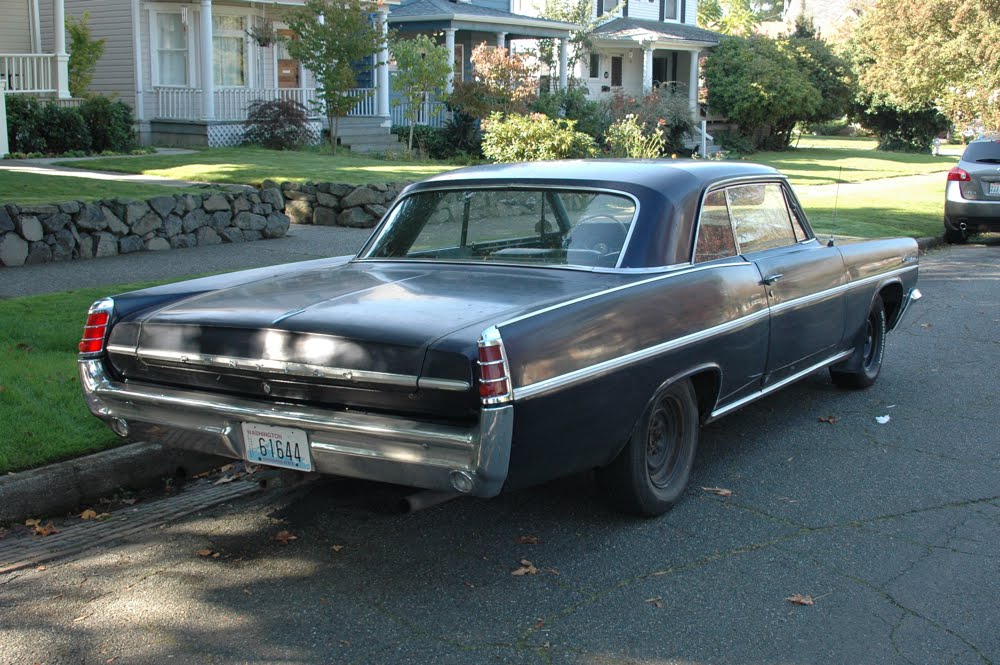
(422, 67)
(331, 36)
(84, 53)
(502, 81)
(730, 17)
(757, 83)
(828, 72)
(940, 51)
(580, 13)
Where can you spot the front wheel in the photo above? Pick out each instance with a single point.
(871, 348)
(652, 471)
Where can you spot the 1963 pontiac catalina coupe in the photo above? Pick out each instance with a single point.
(506, 325)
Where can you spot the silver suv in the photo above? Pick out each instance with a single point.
(972, 199)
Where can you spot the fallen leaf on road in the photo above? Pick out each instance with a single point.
(469, 584)
(204, 552)
(828, 419)
(799, 599)
(40, 568)
(529, 540)
(345, 643)
(926, 326)
(284, 537)
(88, 514)
(32, 522)
(548, 569)
(337, 548)
(539, 624)
(81, 618)
(718, 491)
(248, 592)
(882, 420)
(47, 530)
(527, 568)
(655, 602)
(225, 479)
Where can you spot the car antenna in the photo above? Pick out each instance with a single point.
(836, 200)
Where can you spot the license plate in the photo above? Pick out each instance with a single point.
(286, 447)
(995, 189)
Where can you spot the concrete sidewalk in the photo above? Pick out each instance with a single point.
(303, 242)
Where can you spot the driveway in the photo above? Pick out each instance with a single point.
(893, 530)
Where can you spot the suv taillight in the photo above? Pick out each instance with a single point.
(959, 175)
(95, 331)
(494, 376)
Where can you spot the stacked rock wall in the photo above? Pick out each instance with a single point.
(84, 230)
(330, 204)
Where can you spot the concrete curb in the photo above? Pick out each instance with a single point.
(929, 242)
(67, 485)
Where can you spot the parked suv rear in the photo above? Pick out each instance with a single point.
(972, 199)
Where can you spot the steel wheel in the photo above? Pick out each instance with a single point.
(869, 352)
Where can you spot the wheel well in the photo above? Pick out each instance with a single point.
(706, 389)
(892, 298)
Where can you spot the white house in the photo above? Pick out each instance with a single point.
(33, 58)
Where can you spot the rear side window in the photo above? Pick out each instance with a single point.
(983, 151)
(760, 217)
(715, 230)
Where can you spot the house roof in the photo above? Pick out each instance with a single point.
(447, 10)
(638, 30)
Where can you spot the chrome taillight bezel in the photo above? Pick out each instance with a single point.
(95, 330)
(491, 339)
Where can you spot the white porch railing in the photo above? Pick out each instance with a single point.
(432, 114)
(29, 72)
(232, 103)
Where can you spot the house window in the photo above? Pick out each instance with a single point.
(595, 66)
(171, 50)
(459, 65)
(670, 9)
(608, 5)
(616, 71)
(229, 51)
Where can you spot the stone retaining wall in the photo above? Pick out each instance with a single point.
(85, 230)
(330, 204)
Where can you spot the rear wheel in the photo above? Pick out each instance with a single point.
(651, 472)
(955, 236)
(871, 348)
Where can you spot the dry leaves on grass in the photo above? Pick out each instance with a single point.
(529, 540)
(828, 419)
(799, 599)
(718, 491)
(284, 537)
(527, 568)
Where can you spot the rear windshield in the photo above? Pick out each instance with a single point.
(980, 151)
(532, 226)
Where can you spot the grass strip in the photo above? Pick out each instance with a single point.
(32, 188)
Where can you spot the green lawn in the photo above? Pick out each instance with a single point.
(19, 187)
(821, 160)
(41, 406)
(252, 165)
(890, 209)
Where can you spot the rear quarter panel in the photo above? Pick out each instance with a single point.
(887, 266)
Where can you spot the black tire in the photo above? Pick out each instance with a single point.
(652, 471)
(870, 350)
(955, 236)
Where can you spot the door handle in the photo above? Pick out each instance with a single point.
(771, 279)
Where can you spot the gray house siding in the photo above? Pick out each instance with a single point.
(15, 28)
(110, 20)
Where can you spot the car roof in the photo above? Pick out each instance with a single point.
(656, 174)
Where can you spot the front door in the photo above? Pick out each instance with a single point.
(616, 71)
(289, 72)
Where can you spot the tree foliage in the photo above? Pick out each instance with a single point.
(577, 12)
(422, 68)
(946, 52)
(84, 53)
(502, 82)
(730, 17)
(331, 37)
(899, 128)
(757, 83)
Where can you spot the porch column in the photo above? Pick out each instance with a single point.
(4, 146)
(563, 59)
(449, 42)
(501, 40)
(62, 58)
(382, 71)
(693, 84)
(207, 63)
(647, 68)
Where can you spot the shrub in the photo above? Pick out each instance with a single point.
(524, 138)
(429, 141)
(666, 109)
(463, 136)
(572, 104)
(111, 124)
(734, 142)
(900, 128)
(280, 124)
(627, 138)
(64, 129)
(24, 124)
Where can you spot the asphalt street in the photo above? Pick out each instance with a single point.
(892, 528)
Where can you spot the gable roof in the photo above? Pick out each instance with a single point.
(446, 10)
(638, 30)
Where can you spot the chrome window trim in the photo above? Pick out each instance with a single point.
(365, 253)
(563, 380)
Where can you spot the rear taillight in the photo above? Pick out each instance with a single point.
(95, 331)
(494, 375)
(959, 175)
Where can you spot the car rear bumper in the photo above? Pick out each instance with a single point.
(391, 449)
(976, 215)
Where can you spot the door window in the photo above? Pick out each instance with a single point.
(715, 231)
(760, 217)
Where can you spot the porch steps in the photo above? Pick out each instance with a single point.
(366, 135)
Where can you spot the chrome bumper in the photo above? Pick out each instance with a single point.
(390, 449)
(911, 296)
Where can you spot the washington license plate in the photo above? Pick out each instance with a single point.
(994, 188)
(286, 447)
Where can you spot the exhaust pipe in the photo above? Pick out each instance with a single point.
(425, 499)
(962, 226)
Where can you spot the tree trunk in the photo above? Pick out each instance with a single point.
(409, 145)
(332, 122)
